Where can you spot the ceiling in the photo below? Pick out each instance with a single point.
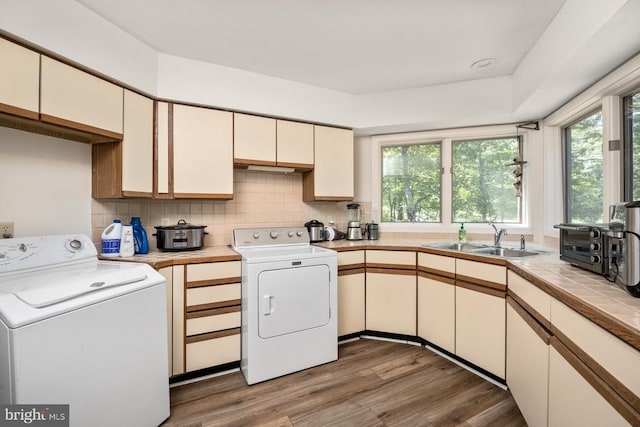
(353, 46)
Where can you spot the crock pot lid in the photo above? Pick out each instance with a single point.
(181, 225)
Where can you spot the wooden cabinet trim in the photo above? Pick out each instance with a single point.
(436, 272)
(220, 196)
(530, 310)
(351, 266)
(543, 333)
(109, 135)
(212, 335)
(481, 282)
(436, 277)
(247, 162)
(299, 167)
(17, 111)
(209, 306)
(346, 272)
(214, 282)
(213, 311)
(390, 266)
(605, 387)
(395, 271)
(482, 289)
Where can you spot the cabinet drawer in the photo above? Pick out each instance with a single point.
(351, 258)
(201, 323)
(529, 293)
(481, 273)
(214, 271)
(392, 259)
(213, 295)
(217, 351)
(437, 264)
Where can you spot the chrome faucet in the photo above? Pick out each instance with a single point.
(497, 237)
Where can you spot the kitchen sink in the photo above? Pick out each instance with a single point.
(456, 246)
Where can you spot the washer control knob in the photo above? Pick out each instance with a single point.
(256, 235)
(299, 233)
(290, 234)
(75, 244)
(274, 234)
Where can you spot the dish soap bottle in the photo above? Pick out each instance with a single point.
(140, 241)
(462, 234)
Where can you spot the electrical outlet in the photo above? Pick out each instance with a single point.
(6, 230)
(164, 221)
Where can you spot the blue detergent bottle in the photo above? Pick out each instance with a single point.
(140, 241)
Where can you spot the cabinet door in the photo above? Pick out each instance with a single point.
(332, 175)
(163, 177)
(72, 98)
(573, 401)
(391, 302)
(436, 311)
(178, 319)
(294, 144)
(202, 153)
(167, 272)
(19, 80)
(351, 302)
(480, 329)
(527, 367)
(125, 169)
(254, 140)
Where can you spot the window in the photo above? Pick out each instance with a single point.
(482, 184)
(411, 183)
(584, 179)
(632, 147)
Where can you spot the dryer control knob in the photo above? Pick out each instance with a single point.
(290, 234)
(274, 234)
(256, 235)
(299, 233)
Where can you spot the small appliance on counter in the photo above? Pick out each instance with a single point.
(624, 246)
(332, 233)
(179, 237)
(316, 230)
(585, 246)
(372, 231)
(354, 230)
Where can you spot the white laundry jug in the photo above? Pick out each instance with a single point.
(111, 239)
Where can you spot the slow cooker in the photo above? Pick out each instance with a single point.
(179, 237)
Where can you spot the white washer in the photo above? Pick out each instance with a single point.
(289, 302)
(78, 331)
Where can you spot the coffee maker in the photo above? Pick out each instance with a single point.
(354, 229)
(624, 245)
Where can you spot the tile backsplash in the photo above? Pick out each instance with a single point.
(261, 199)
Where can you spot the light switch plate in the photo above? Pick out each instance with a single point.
(6, 230)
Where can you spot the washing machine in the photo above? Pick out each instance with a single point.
(289, 302)
(82, 332)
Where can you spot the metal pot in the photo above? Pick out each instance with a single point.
(179, 237)
(316, 230)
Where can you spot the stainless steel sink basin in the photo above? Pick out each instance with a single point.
(456, 246)
(506, 252)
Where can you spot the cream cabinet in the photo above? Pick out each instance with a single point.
(167, 273)
(177, 318)
(391, 301)
(332, 176)
(254, 140)
(212, 314)
(295, 143)
(436, 310)
(75, 99)
(163, 176)
(202, 142)
(527, 365)
(125, 169)
(351, 292)
(19, 80)
(480, 329)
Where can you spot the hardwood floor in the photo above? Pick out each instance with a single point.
(373, 383)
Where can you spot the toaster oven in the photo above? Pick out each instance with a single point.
(585, 246)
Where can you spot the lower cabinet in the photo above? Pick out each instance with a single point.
(351, 301)
(436, 310)
(527, 365)
(207, 351)
(391, 301)
(480, 328)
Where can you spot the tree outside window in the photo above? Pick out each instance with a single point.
(483, 188)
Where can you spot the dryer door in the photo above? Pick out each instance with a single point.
(293, 299)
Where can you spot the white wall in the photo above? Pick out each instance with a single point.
(46, 184)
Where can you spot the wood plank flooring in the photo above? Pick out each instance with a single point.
(373, 383)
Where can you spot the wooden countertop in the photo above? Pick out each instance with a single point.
(605, 303)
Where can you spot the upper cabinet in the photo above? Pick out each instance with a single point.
(254, 140)
(202, 143)
(265, 141)
(78, 100)
(125, 169)
(332, 176)
(19, 80)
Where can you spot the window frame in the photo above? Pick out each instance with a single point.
(627, 146)
(447, 136)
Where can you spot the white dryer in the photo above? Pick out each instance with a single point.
(289, 302)
(82, 332)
